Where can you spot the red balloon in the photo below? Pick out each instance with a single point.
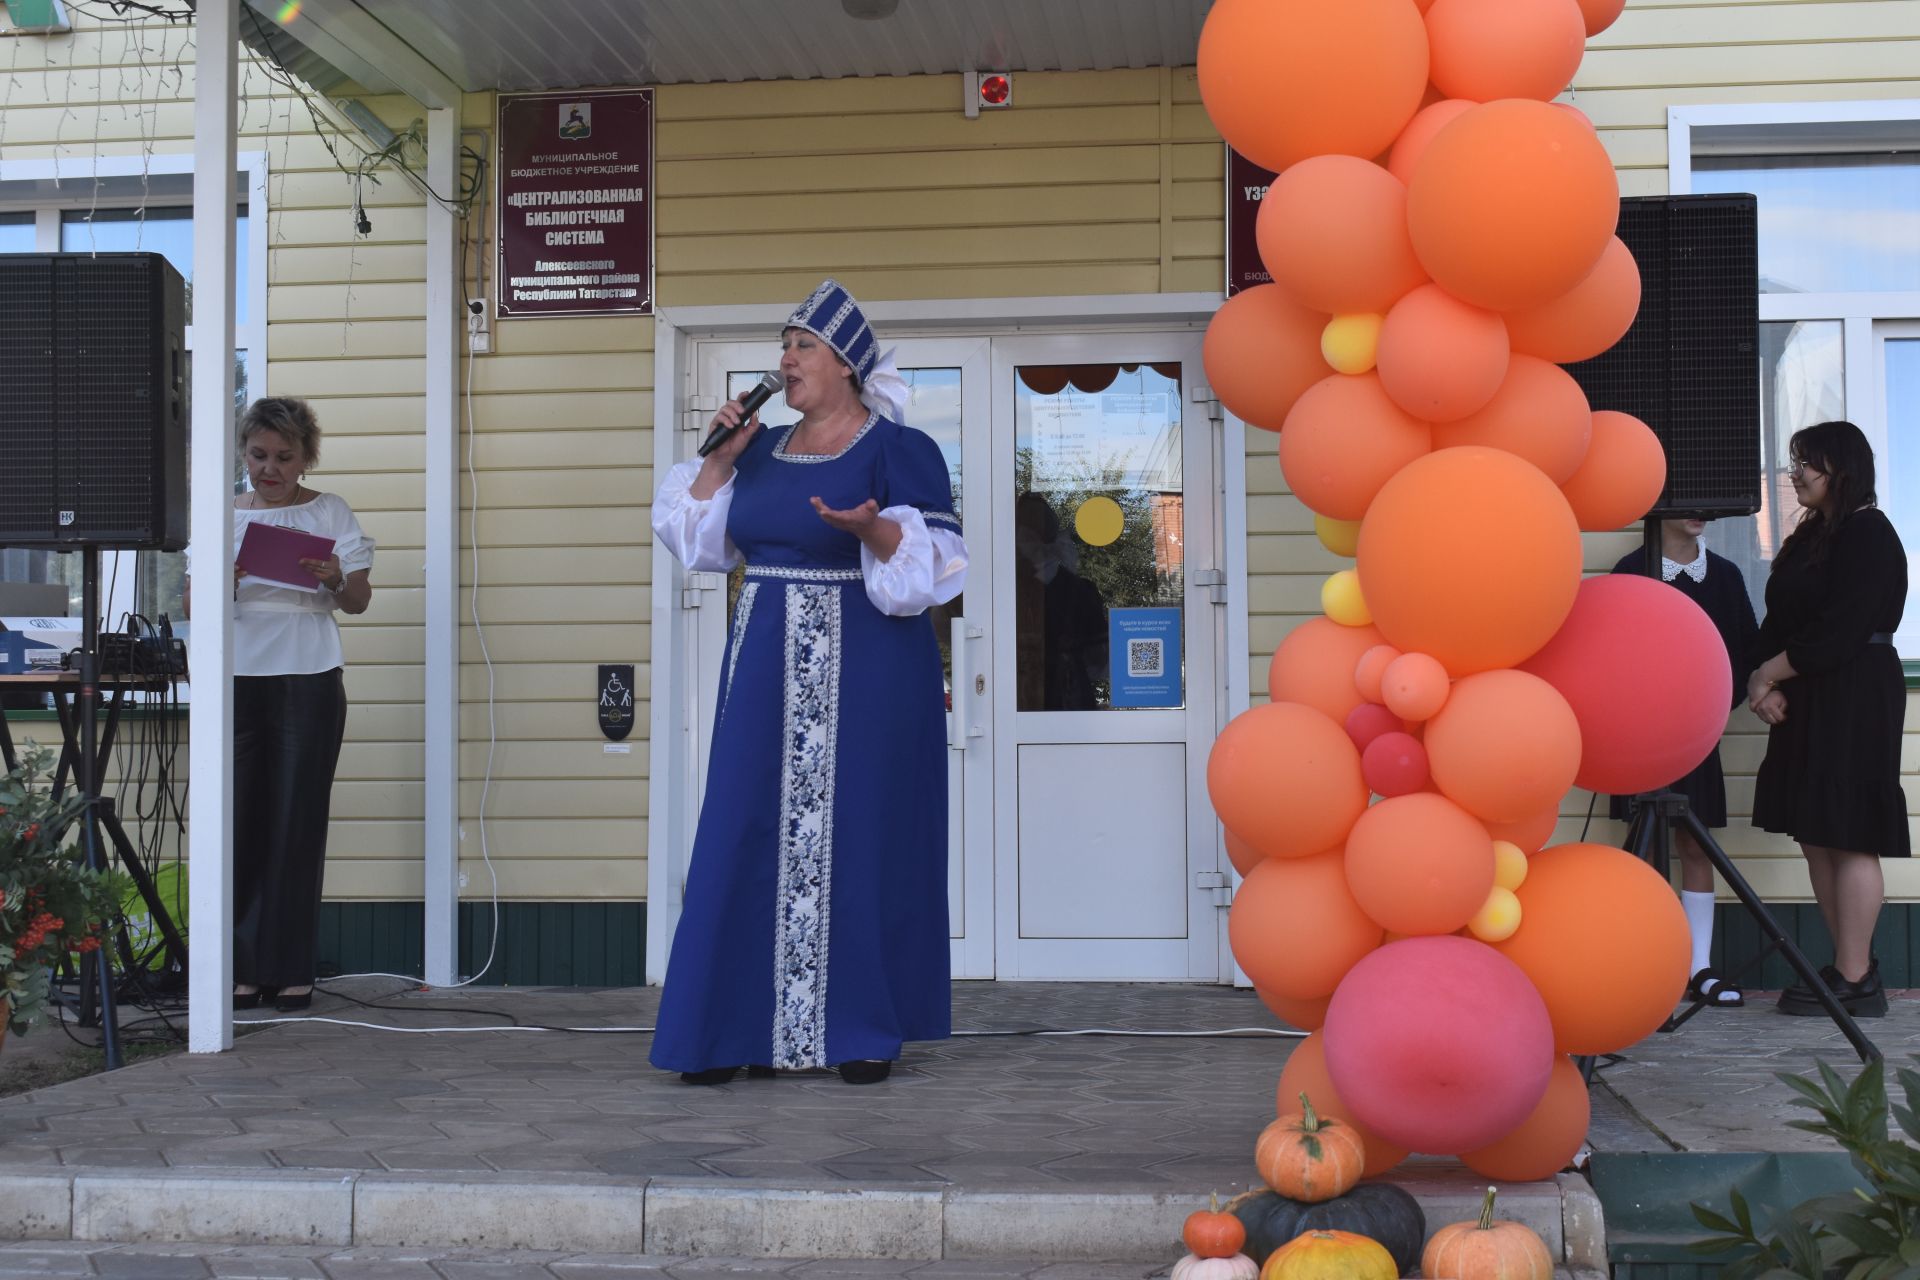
(1368, 721)
(1647, 676)
(1438, 1045)
(1261, 351)
(1394, 764)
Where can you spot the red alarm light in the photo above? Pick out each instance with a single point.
(996, 90)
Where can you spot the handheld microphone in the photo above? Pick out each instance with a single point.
(757, 396)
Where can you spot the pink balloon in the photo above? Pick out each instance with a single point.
(1368, 721)
(1438, 1044)
(1394, 764)
(1647, 676)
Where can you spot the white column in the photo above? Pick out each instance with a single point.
(210, 722)
(445, 330)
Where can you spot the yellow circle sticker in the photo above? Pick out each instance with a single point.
(1098, 521)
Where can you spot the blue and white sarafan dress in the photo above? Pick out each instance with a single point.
(814, 927)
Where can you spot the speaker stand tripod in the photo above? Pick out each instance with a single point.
(95, 966)
(1656, 815)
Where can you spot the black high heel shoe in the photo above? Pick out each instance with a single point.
(246, 1000)
(294, 1003)
(865, 1070)
(712, 1075)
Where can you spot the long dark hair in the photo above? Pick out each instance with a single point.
(1840, 452)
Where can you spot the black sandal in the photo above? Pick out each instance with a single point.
(1707, 987)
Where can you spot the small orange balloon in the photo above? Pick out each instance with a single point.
(1511, 204)
(1440, 359)
(1286, 79)
(1413, 140)
(1242, 855)
(1306, 1072)
(1343, 440)
(1414, 686)
(1288, 947)
(1600, 14)
(1547, 1139)
(1488, 49)
(1333, 232)
(1622, 475)
(1423, 559)
(1261, 351)
(1505, 746)
(1419, 864)
(1286, 779)
(1314, 666)
(1371, 670)
(1308, 1015)
(1587, 319)
(1585, 120)
(1539, 413)
(1531, 833)
(1604, 941)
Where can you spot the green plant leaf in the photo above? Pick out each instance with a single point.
(1712, 1221)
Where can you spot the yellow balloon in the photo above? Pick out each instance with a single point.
(1341, 600)
(1099, 521)
(1337, 536)
(1349, 343)
(1509, 865)
(1498, 917)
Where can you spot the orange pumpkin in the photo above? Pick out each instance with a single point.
(1209, 1233)
(1306, 1158)
(1330, 1255)
(1487, 1249)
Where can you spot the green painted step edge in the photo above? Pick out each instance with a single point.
(1646, 1199)
(542, 944)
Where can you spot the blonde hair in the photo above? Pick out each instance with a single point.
(293, 420)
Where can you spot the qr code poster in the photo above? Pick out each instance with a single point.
(1144, 645)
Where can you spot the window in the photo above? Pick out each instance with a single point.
(16, 233)
(1828, 223)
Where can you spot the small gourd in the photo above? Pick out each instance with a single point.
(1330, 1255)
(1486, 1249)
(1194, 1267)
(1307, 1158)
(1215, 1238)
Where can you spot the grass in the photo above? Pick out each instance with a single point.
(23, 1074)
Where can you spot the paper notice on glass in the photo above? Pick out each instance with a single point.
(271, 552)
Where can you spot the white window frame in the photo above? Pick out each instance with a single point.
(23, 189)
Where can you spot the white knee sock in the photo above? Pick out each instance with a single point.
(1699, 909)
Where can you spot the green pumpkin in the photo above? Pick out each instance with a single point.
(1378, 1210)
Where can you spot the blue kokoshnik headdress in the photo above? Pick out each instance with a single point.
(832, 313)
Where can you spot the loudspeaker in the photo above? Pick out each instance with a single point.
(1690, 365)
(93, 401)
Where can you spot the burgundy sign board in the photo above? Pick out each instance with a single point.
(1246, 187)
(575, 204)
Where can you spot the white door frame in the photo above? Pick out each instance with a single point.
(673, 782)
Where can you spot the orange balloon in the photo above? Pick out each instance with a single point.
(1314, 666)
(1286, 79)
(1577, 114)
(1295, 928)
(1621, 477)
(1505, 746)
(1413, 140)
(1242, 855)
(1546, 1140)
(1333, 232)
(1487, 49)
(1419, 864)
(1371, 670)
(1286, 779)
(1414, 686)
(1539, 413)
(1440, 359)
(1528, 834)
(1600, 14)
(1306, 1072)
(1261, 351)
(1605, 943)
(1343, 440)
(1588, 318)
(1308, 1015)
(1512, 204)
(1433, 580)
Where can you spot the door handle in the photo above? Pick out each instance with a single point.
(963, 729)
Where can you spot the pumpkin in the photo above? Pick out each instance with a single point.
(1302, 1156)
(1210, 1233)
(1378, 1210)
(1194, 1267)
(1331, 1255)
(1486, 1249)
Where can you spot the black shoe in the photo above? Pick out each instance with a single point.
(1707, 987)
(1801, 996)
(1866, 998)
(713, 1075)
(865, 1071)
(286, 1003)
(761, 1073)
(246, 1000)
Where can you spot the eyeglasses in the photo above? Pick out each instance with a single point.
(1799, 467)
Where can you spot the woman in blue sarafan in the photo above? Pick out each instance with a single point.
(814, 928)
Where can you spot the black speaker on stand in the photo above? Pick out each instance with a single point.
(93, 453)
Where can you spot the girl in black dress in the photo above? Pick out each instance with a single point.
(1829, 684)
(1714, 583)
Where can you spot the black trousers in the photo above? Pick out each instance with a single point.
(286, 742)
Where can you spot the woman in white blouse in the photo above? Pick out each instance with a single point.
(814, 927)
(289, 707)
